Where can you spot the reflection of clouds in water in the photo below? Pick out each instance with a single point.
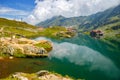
(84, 56)
(42, 38)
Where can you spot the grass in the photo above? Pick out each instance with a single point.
(114, 18)
(13, 23)
(18, 53)
(51, 32)
(9, 78)
(110, 33)
(12, 27)
(47, 46)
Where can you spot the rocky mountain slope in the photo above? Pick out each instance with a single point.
(94, 21)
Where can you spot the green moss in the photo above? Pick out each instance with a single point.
(3, 55)
(19, 53)
(47, 46)
(9, 78)
(51, 32)
(117, 35)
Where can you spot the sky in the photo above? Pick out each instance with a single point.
(16, 9)
(35, 11)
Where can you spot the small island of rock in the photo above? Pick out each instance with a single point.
(23, 47)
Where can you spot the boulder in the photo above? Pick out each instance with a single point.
(22, 47)
(41, 75)
(19, 76)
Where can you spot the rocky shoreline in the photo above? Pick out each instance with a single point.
(23, 47)
(41, 75)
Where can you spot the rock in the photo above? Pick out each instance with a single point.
(11, 57)
(1, 58)
(65, 34)
(22, 47)
(7, 49)
(42, 51)
(42, 73)
(46, 75)
(47, 45)
(19, 76)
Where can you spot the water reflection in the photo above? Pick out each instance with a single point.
(79, 57)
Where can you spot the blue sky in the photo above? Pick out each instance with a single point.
(35, 11)
(16, 8)
(18, 4)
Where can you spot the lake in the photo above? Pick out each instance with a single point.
(79, 57)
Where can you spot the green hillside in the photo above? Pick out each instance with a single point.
(106, 17)
(8, 28)
(62, 21)
(111, 31)
(12, 27)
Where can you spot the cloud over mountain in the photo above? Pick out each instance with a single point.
(46, 9)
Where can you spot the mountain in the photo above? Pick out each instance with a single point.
(109, 16)
(93, 21)
(62, 21)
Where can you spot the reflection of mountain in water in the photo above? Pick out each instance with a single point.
(84, 56)
(79, 57)
(98, 58)
(110, 49)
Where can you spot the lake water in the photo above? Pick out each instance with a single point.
(79, 57)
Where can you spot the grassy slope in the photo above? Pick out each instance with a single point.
(112, 30)
(51, 32)
(11, 27)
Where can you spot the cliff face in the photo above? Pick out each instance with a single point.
(22, 47)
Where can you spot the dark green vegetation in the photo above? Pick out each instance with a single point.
(108, 21)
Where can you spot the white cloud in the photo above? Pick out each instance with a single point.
(46, 9)
(11, 11)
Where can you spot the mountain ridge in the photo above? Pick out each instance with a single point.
(85, 22)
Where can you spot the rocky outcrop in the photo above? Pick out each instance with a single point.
(22, 47)
(41, 75)
(65, 34)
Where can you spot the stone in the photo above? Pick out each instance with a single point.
(11, 57)
(42, 73)
(23, 47)
(18, 76)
